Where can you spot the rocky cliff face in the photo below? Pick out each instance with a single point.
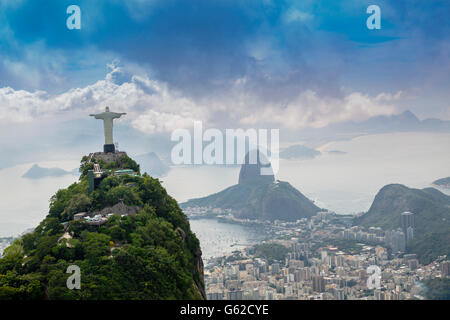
(200, 271)
(251, 170)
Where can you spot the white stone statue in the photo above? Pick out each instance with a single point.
(108, 118)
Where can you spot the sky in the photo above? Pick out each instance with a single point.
(229, 63)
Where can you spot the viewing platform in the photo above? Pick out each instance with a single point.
(107, 157)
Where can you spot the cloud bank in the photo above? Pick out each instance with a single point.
(154, 107)
(248, 56)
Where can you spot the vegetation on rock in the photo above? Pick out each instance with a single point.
(431, 210)
(150, 255)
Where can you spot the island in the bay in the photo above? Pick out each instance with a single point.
(257, 197)
(38, 172)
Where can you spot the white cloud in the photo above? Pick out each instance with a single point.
(153, 107)
(154, 121)
(309, 109)
(294, 14)
(11, 3)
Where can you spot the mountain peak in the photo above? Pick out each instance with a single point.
(431, 210)
(251, 172)
(408, 115)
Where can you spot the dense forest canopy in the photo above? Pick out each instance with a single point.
(150, 255)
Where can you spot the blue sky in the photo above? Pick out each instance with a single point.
(225, 62)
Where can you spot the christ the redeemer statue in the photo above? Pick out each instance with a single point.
(108, 118)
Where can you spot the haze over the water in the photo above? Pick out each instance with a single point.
(345, 183)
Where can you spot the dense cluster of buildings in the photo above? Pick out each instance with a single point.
(394, 239)
(315, 269)
(205, 212)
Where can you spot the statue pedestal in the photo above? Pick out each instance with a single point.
(109, 148)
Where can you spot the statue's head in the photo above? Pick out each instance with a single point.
(107, 109)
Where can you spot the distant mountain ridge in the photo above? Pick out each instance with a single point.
(432, 217)
(13, 154)
(444, 183)
(152, 164)
(299, 151)
(402, 122)
(253, 172)
(405, 121)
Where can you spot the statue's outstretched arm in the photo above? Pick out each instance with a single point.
(97, 116)
(118, 115)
